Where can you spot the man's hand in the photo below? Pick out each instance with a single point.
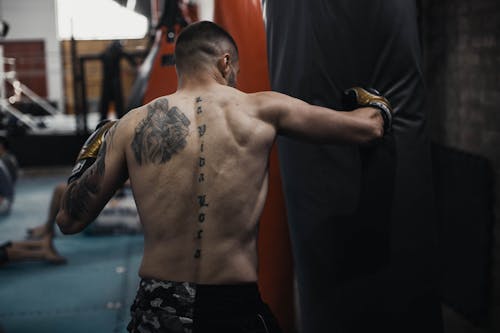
(358, 97)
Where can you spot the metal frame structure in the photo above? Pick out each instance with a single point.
(9, 76)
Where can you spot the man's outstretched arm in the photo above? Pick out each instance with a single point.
(89, 190)
(296, 118)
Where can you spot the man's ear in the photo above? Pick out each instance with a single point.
(224, 65)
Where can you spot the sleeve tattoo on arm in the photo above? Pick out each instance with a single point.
(161, 134)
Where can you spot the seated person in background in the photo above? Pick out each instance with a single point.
(40, 249)
(47, 229)
(40, 245)
(119, 216)
(8, 176)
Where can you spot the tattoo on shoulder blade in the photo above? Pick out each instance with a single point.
(161, 134)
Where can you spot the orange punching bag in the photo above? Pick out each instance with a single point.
(162, 77)
(243, 20)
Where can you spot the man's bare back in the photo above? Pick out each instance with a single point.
(197, 161)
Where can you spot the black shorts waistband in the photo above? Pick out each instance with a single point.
(207, 297)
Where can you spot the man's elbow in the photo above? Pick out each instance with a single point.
(67, 225)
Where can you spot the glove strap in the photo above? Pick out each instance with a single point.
(386, 115)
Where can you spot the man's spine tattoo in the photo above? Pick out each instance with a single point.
(161, 134)
(202, 198)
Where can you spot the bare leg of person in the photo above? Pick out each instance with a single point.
(38, 250)
(48, 227)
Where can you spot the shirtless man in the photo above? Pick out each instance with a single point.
(197, 161)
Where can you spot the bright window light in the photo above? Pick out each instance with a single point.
(99, 19)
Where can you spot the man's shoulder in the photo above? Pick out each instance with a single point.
(137, 114)
(156, 103)
(268, 102)
(265, 97)
(132, 118)
(125, 125)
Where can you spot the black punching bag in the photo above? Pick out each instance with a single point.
(360, 266)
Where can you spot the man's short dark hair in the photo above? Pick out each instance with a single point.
(201, 42)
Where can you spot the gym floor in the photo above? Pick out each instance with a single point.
(91, 293)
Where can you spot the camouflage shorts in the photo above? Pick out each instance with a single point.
(163, 306)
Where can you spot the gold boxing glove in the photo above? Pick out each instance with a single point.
(90, 150)
(358, 97)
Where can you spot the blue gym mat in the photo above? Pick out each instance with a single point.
(91, 293)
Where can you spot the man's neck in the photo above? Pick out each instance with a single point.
(199, 80)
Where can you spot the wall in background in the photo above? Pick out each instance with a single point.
(37, 19)
(30, 64)
(461, 44)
